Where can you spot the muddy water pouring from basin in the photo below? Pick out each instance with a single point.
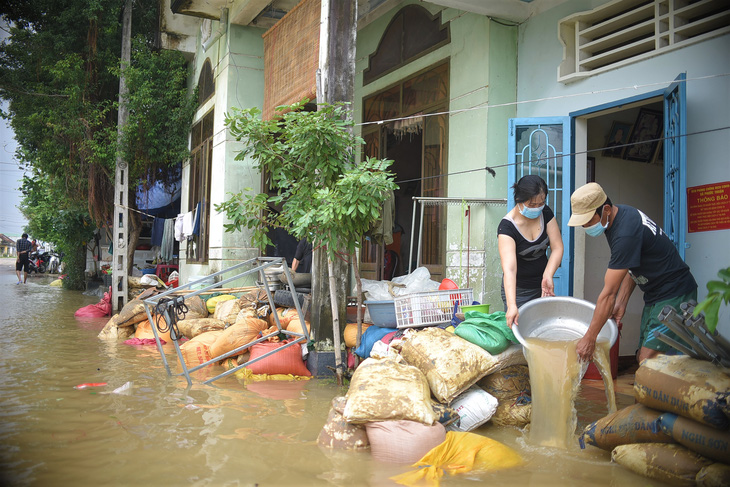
(549, 330)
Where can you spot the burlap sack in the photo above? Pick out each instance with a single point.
(633, 424)
(132, 313)
(665, 462)
(695, 389)
(196, 308)
(512, 414)
(338, 433)
(227, 311)
(386, 389)
(193, 327)
(450, 363)
(112, 332)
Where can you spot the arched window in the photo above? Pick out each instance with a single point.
(206, 83)
(412, 33)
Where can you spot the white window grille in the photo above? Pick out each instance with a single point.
(626, 31)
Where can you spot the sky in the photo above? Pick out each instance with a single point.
(11, 220)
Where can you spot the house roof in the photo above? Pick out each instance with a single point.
(5, 240)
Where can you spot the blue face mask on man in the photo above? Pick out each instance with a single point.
(531, 213)
(597, 229)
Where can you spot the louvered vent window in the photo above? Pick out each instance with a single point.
(626, 31)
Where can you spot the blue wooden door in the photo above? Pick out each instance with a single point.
(542, 146)
(675, 163)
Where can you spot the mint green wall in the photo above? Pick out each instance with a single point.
(482, 57)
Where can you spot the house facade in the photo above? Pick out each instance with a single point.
(466, 96)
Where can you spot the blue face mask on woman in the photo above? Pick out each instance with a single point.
(531, 213)
(597, 229)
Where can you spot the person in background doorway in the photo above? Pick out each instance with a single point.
(22, 263)
(33, 246)
(641, 253)
(523, 237)
(302, 262)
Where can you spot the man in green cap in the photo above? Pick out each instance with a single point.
(641, 253)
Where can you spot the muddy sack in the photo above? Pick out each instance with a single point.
(511, 387)
(193, 327)
(132, 313)
(715, 475)
(632, 424)
(112, 331)
(339, 434)
(694, 389)
(705, 440)
(450, 363)
(387, 389)
(227, 311)
(403, 441)
(475, 406)
(665, 462)
(513, 355)
(196, 308)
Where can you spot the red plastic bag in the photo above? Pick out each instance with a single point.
(98, 310)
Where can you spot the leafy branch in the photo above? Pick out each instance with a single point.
(718, 293)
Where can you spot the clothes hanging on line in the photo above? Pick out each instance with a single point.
(188, 224)
(168, 241)
(196, 220)
(178, 225)
(158, 227)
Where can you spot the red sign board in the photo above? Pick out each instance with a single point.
(708, 207)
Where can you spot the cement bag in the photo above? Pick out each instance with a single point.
(236, 336)
(387, 389)
(213, 302)
(715, 475)
(695, 389)
(632, 424)
(197, 350)
(489, 331)
(451, 364)
(475, 407)
(350, 334)
(705, 440)
(132, 313)
(144, 329)
(665, 462)
(193, 327)
(403, 441)
(288, 360)
(227, 311)
(196, 308)
(460, 453)
(338, 433)
(112, 331)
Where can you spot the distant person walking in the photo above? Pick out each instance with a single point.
(23, 247)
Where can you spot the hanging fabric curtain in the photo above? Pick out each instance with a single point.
(291, 57)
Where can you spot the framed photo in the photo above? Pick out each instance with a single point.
(645, 136)
(591, 170)
(617, 137)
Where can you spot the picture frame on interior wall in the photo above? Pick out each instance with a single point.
(590, 170)
(616, 139)
(645, 136)
(659, 154)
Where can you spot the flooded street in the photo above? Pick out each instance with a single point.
(226, 434)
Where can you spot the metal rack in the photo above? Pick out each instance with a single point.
(697, 341)
(170, 301)
(425, 201)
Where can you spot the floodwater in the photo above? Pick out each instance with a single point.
(225, 434)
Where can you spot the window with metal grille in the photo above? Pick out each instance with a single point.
(206, 83)
(627, 31)
(201, 161)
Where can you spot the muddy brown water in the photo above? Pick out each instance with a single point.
(163, 433)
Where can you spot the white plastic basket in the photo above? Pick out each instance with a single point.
(431, 308)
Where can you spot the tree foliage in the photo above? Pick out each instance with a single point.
(718, 292)
(309, 156)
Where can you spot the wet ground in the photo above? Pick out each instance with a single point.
(162, 433)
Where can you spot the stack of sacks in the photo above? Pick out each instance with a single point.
(511, 387)
(678, 433)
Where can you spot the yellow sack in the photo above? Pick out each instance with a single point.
(460, 453)
(212, 302)
(57, 283)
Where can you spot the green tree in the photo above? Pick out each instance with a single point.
(59, 70)
(324, 195)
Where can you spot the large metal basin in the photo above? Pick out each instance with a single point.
(559, 318)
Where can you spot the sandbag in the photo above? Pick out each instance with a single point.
(338, 433)
(512, 355)
(295, 326)
(227, 311)
(369, 337)
(196, 308)
(489, 331)
(349, 334)
(288, 360)
(513, 414)
(197, 350)
(132, 313)
(695, 389)
(285, 316)
(253, 298)
(193, 327)
(403, 441)
(236, 336)
(705, 440)
(245, 314)
(211, 303)
(387, 389)
(57, 283)
(715, 475)
(508, 384)
(666, 462)
(112, 331)
(633, 424)
(475, 406)
(98, 310)
(144, 329)
(450, 363)
(460, 453)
